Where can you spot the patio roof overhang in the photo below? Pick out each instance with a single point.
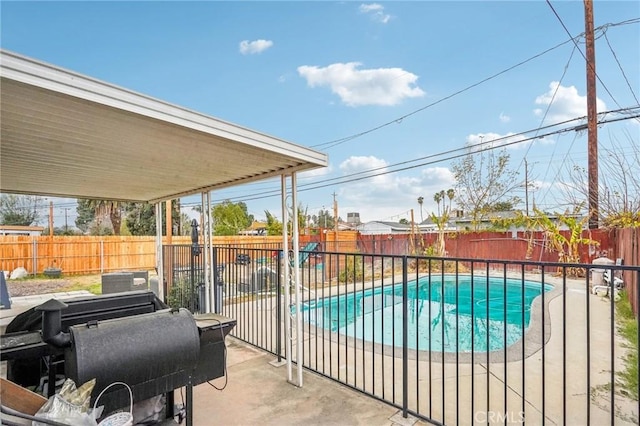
(68, 135)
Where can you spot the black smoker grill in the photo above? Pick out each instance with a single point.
(129, 337)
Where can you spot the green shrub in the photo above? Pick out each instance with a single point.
(183, 295)
(352, 271)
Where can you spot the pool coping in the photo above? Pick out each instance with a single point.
(529, 344)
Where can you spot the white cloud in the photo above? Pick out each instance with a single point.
(376, 12)
(504, 118)
(565, 105)
(538, 184)
(257, 46)
(357, 87)
(314, 173)
(492, 139)
(384, 196)
(496, 139)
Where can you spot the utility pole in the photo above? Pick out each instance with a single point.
(335, 214)
(50, 218)
(592, 115)
(65, 219)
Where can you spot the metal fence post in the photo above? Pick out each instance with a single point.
(405, 340)
(279, 307)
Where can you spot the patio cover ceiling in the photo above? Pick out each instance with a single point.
(68, 135)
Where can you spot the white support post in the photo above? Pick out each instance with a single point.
(211, 299)
(159, 263)
(296, 276)
(285, 268)
(205, 252)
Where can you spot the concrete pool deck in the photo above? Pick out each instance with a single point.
(575, 362)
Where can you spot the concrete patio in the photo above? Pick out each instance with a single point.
(256, 392)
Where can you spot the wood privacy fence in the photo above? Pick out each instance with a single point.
(628, 249)
(521, 245)
(94, 255)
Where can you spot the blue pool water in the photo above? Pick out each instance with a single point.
(440, 308)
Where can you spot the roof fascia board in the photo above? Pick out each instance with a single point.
(285, 172)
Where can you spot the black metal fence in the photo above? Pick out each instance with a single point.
(450, 341)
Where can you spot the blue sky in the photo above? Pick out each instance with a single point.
(316, 72)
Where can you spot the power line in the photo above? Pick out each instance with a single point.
(575, 136)
(633, 112)
(471, 146)
(340, 141)
(487, 147)
(336, 142)
(553, 97)
(621, 69)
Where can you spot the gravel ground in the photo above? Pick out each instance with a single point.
(36, 286)
(30, 286)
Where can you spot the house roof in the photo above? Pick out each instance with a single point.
(507, 214)
(68, 135)
(395, 225)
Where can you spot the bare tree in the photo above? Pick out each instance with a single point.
(482, 180)
(618, 184)
(19, 209)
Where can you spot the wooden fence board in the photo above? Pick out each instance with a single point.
(96, 254)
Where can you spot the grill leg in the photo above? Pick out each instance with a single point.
(189, 402)
(170, 409)
(51, 390)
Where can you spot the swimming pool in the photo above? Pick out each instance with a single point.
(439, 309)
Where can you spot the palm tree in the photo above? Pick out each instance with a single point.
(450, 194)
(420, 201)
(112, 208)
(437, 198)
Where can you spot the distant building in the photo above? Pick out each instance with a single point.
(21, 230)
(465, 223)
(381, 227)
(457, 222)
(353, 219)
(256, 228)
